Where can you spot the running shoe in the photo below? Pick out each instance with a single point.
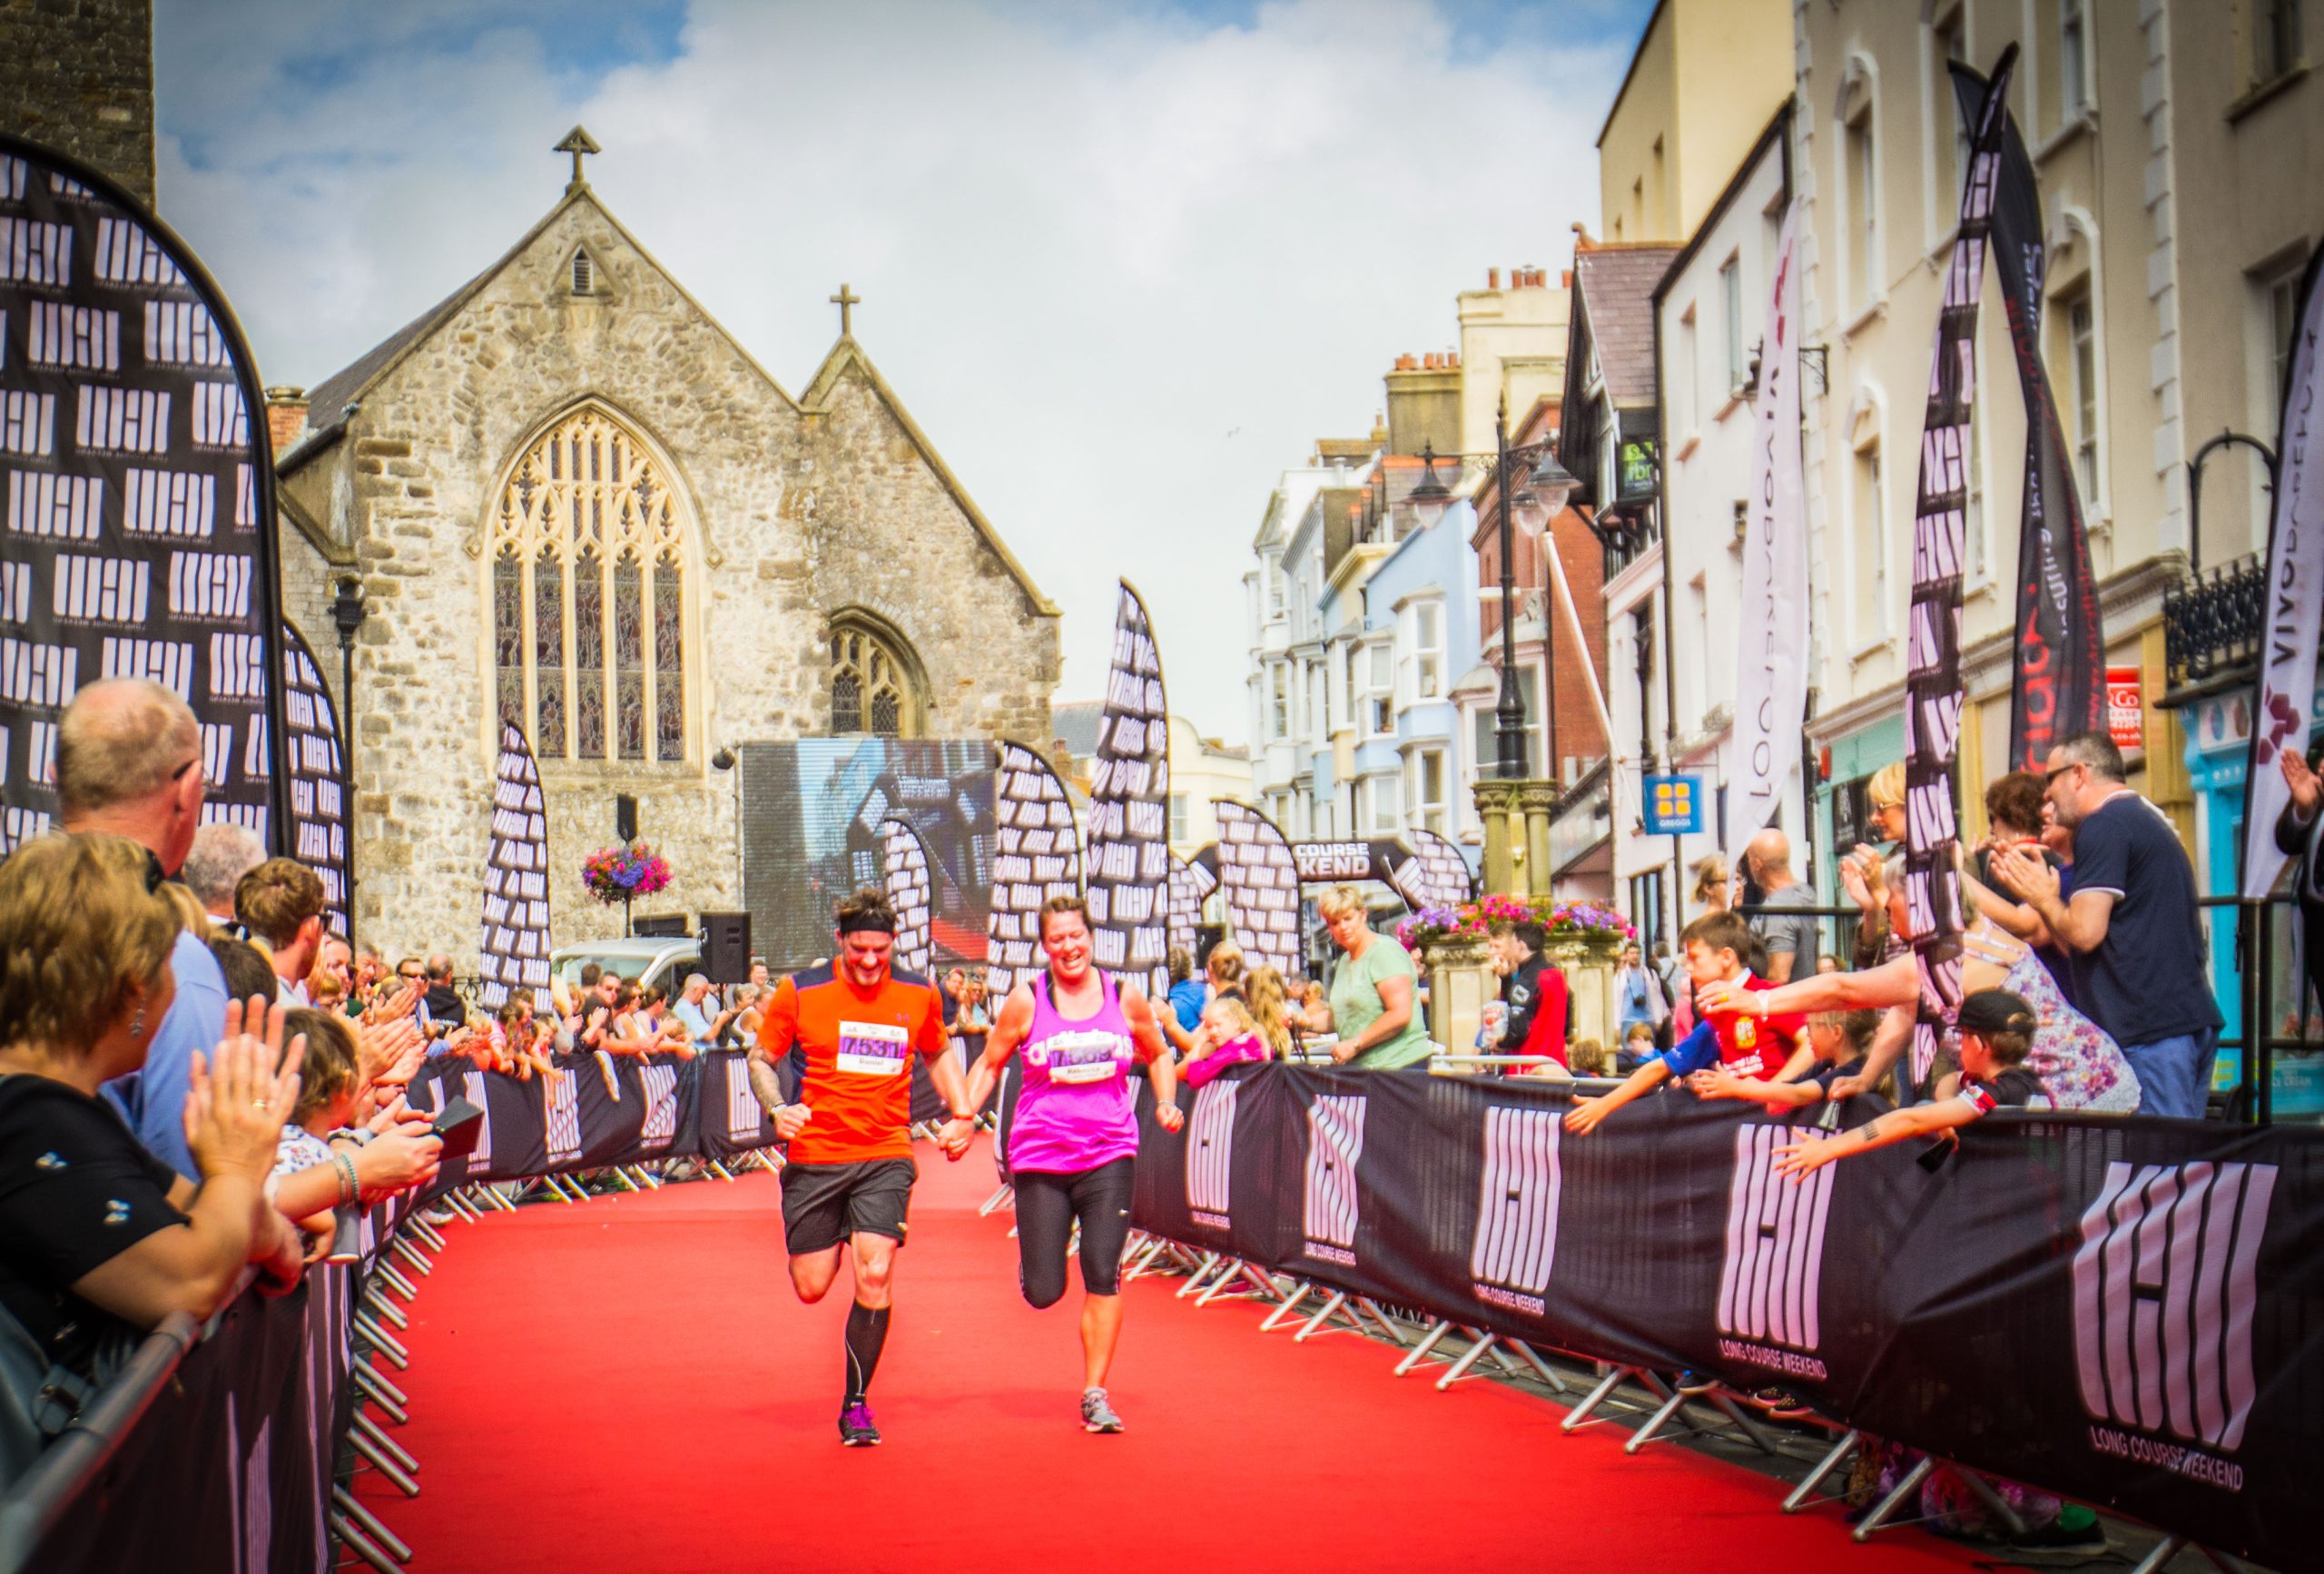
(1097, 1415)
(1695, 1382)
(855, 1428)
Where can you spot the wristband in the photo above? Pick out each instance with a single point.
(351, 1187)
(969, 1118)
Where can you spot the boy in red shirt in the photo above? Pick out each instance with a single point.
(1714, 945)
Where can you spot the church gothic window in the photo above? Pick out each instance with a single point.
(589, 597)
(871, 686)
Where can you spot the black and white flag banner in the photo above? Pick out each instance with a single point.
(515, 949)
(314, 752)
(1037, 854)
(136, 492)
(1191, 887)
(1130, 810)
(904, 875)
(1434, 875)
(2295, 603)
(1261, 879)
(1932, 701)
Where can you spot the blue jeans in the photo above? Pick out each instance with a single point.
(2174, 1074)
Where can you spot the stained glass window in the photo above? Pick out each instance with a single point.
(669, 664)
(588, 657)
(629, 656)
(508, 633)
(587, 505)
(548, 657)
(871, 691)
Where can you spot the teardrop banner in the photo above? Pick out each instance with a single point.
(1932, 694)
(904, 875)
(1190, 886)
(139, 492)
(314, 752)
(516, 948)
(1037, 854)
(1129, 810)
(1434, 875)
(1260, 878)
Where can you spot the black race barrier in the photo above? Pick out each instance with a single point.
(2128, 1312)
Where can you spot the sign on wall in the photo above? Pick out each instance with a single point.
(1674, 805)
(2126, 707)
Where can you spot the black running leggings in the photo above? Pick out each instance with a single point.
(1046, 1206)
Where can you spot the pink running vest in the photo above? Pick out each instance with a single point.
(1077, 1109)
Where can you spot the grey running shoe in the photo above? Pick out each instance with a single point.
(1097, 1415)
(855, 1428)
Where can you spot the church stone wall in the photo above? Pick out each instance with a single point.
(791, 522)
(79, 78)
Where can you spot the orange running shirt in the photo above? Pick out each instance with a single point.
(851, 1050)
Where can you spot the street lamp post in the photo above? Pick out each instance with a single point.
(347, 612)
(2195, 489)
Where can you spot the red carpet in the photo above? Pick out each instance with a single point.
(629, 1384)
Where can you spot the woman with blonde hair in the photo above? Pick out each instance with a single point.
(99, 1240)
(1372, 1005)
(1711, 883)
(1225, 967)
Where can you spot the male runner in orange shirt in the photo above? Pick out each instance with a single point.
(833, 1068)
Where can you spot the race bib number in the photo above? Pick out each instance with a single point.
(1081, 1057)
(873, 1048)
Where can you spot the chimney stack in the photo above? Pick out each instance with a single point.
(1493, 277)
(285, 417)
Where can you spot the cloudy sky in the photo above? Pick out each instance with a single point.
(1125, 261)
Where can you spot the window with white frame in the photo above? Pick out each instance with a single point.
(1428, 650)
(1352, 688)
(1864, 195)
(1948, 41)
(2073, 59)
(1425, 790)
(2081, 356)
(1275, 588)
(1179, 831)
(1281, 714)
(2282, 296)
(2275, 39)
(1871, 520)
(1385, 809)
(1730, 306)
(1379, 693)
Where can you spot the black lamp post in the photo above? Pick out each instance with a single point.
(347, 612)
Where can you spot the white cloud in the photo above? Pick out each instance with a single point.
(1125, 266)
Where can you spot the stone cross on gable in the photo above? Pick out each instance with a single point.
(846, 300)
(580, 145)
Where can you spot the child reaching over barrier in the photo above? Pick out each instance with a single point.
(1997, 1034)
(1715, 946)
(1226, 1035)
(1838, 1042)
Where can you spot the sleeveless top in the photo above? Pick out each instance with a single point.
(2077, 1064)
(1077, 1109)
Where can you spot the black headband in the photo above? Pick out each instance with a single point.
(867, 922)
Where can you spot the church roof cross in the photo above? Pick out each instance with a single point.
(580, 145)
(846, 300)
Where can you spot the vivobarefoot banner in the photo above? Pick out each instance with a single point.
(2126, 1311)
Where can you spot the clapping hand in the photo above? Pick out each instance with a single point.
(239, 1100)
(2307, 787)
(2027, 873)
(394, 1008)
(390, 1051)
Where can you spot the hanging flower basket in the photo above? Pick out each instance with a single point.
(617, 874)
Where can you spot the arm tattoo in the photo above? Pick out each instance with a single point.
(1866, 1131)
(765, 1084)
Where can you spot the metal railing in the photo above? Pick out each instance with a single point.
(2212, 627)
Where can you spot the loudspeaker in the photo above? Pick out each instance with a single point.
(625, 817)
(726, 947)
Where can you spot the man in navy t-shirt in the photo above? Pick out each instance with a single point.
(2131, 929)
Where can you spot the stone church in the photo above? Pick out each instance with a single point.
(568, 495)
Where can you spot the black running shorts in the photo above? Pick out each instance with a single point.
(824, 1204)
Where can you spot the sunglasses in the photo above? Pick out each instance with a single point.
(2053, 775)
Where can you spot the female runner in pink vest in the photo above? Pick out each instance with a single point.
(1075, 1135)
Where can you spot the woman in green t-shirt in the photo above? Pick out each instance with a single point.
(1372, 1005)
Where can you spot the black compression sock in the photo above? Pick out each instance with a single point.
(867, 1331)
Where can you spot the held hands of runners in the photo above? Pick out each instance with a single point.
(1171, 1116)
(241, 1096)
(955, 1136)
(791, 1119)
